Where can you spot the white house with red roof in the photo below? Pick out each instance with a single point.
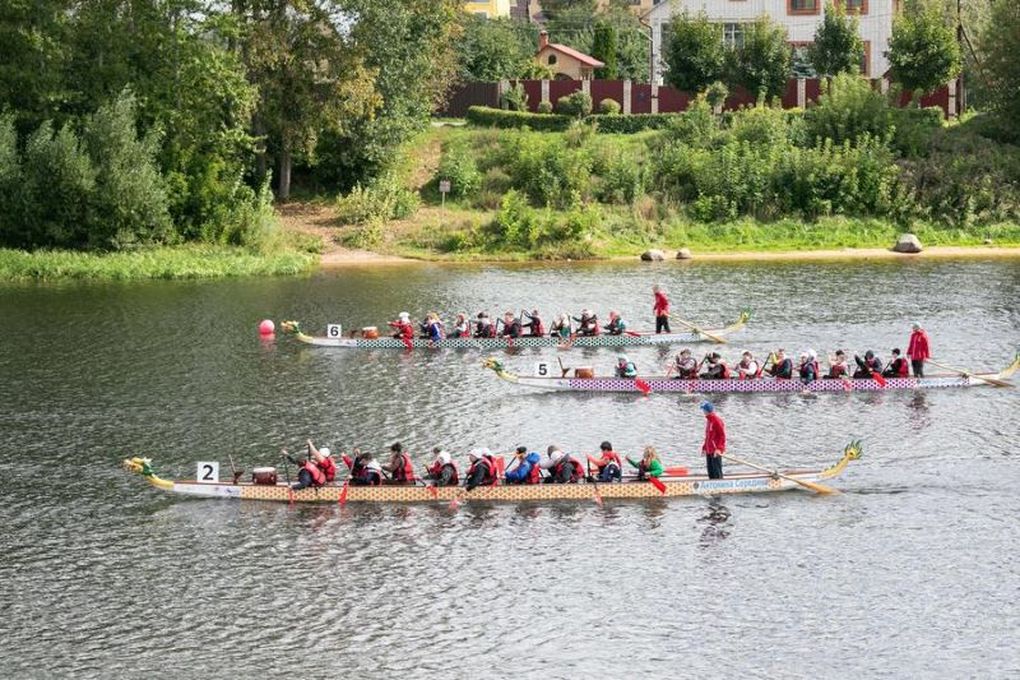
(566, 62)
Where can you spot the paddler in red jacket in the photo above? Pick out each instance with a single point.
(715, 440)
(608, 465)
(918, 350)
(324, 459)
(661, 309)
(400, 467)
(403, 328)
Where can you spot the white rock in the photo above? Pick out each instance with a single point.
(907, 243)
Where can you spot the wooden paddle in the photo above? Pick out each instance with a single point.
(594, 486)
(814, 486)
(699, 331)
(966, 374)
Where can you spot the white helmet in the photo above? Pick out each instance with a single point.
(404, 316)
(325, 452)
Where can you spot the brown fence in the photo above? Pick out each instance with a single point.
(644, 98)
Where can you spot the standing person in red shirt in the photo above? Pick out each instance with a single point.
(661, 310)
(715, 440)
(918, 350)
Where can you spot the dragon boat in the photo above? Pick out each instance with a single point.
(585, 381)
(342, 493)
(630, 338)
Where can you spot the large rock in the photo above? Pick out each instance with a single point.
(684, 254)
(907, 243)
(653, 256)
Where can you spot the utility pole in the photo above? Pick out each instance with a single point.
(961, 96)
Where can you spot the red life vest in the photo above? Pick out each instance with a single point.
(490, 477)
(612, 457)
(436, 471)
(537, 329)
(318, 476)
(328, 467)
(725, 370)
(534, 475)
(903, 370)
(405, 470)
(576, 472)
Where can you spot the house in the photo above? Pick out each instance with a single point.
(800, 18)
(489, 9)
(566, 62)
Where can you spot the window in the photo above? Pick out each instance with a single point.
(802, 6)
(552, 59)
(733, 35)
(856, 6)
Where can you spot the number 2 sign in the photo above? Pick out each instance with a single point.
(208, 472)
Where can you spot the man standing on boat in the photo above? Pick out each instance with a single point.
(715, 440)
(661, 310)
(918, 350)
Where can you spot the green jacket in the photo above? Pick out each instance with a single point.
(654, 470)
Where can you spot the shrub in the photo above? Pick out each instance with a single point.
(716, 94)
(515, 98)
(577, 104)
(546, 169)
(914, 130)
(545, 107)
(621, 179)
(516, 224)
(696, 126)
(637, 122)
(609, 107)
(488, 117)
(848, 109)
(761, 125)
(364, 236)
(459, 167)
(383, 199)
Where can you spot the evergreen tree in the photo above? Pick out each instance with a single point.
(604, 49)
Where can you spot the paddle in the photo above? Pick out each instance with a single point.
(814, 486)
(657, 483)
(594, 485)
(699, 331)
(990, 381)
(563, 370)
(645, 388)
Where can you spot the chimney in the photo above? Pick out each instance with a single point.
(543, 39)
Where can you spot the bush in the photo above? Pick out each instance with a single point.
(761, 125)
(914, 130)
(546, 169)
(545, 107)
(577, 104)
(621, 179)
(637, 122)
(609, 107)
(716, 94)
(848, 109)
(459, 167)
(696, 126)
(383, 199)
(488, 117)
(515, 98)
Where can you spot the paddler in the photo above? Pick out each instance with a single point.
(309, 474)
(616, 325)
(608, 465)
(747, 367)
(534, 325)
(918, 350)
(561, 326)
(808, 369)
(898, 367)
(365, 469)
(782, 366)
(650, 465)
(511, 326)
(484, 328)
(661, 310)
(443, 471)
(715, 440)
(399, 467)
(685, 366)
(625, 368)
(868, 366)
(403, 329)
(837, 366)
(716, 368)
(526, 469)
(433, 327)
(563, 468)
(482, 470)
(588, 324)
(324, 459)
(461, 327)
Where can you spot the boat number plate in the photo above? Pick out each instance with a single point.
(334, 330)
(542, 369)
(208, 472)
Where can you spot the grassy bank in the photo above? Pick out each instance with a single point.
(180, 262)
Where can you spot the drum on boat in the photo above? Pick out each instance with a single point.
(264, 476)
(584, 372)
(370, 332)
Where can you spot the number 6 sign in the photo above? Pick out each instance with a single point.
(208, 472)
(334, 330)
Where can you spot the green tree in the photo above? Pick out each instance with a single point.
(33, 56)
(923, 52)
(557, 9)
(575, 27)
(604, 49)
(494, 49)
(762, 64)
(10, 179)
(1000, 45)
(694, 52)
(837, 47)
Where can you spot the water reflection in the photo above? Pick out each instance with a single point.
(920, 418)
(717, 523)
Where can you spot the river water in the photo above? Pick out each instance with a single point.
(912, 572)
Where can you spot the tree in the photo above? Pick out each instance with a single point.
(33, 55)
(837, 47)
(556, 9)
(494, 49)
(762, 64)
(604, 49)
(575, 27)
(1000, 45)
(694, 52)
(923, 52)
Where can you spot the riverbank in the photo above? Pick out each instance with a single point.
(168, 262)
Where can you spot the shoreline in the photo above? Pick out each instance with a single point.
(340, 258)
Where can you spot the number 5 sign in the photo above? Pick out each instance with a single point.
(542, 369)
(208, 472)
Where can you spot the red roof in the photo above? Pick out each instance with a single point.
(580, 56)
